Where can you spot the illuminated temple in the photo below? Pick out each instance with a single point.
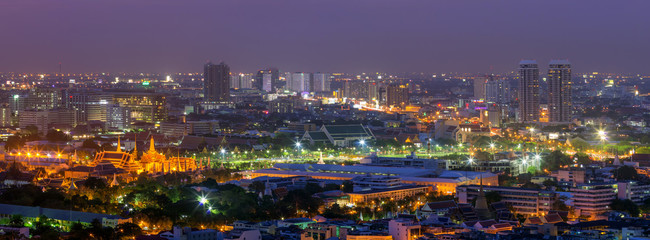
(151, 161)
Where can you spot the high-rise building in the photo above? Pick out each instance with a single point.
(267, 79)
(559, 91)
(322, 82)
(373, 91)
(300, 82)
(479, 87)
(241, 81)
(234, 81)
(44, 98)
(397, 95)
(6, 116)
(118, 117)
(144, 106)
(216, 82)
(497, 90)
(42, 119)
(528, 91)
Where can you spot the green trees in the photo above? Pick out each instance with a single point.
(257, 186)
(89, 143)
(582, 158)
(14, 142)
(54, 135)
(626, 173)
(625, 205)
(127, 231)
(44, 228)
(335, 211)
(555, 160)
(16, 221)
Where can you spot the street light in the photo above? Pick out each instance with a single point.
(203, 200)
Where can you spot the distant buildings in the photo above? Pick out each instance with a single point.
(497, 90)
(148, 107)
(216, 83)
(300, 82)
(43, 119)
(339, 135)
(322, 82)
(397, 96)
(528, 91)
(479, 87)
(64, 217)
(267, 80)
(241, 81)
(593, 199)
(560, 105)
(528, 202)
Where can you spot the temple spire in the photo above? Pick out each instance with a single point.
(481, 206)
(152, 147)
(114, 182)
(119, 147)
(135, 147)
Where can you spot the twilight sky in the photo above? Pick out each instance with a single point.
(326, 35)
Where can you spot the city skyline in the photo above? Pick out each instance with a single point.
(324, 120)
(332, 37)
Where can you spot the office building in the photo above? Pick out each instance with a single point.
(404, 229)
(267, 80)
(635, 191)
(528, 91)
(479, 87)
(322, 82)
(6, 116)
(242, 80)
(216, 82)
(527, 202)
(118, 118)
(43, 119)
(592, 199)
(397, 96)
(148, 107)
(497, 90)
(560, 105)
(43, 98)
(300, 82)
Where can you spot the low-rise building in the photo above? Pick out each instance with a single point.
(393, 193)
(369, 235)
(523, 201)
(634, 191)
(64, 217)
(187, 233)
(592, 199)
(404, 229)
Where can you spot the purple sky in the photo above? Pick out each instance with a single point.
(325, 35)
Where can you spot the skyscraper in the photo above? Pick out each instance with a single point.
(559, 91)
(241, 80)
(496, 90)
(267, 79)
(397, 95)
(528, 91)
(216, 83)
(300, 82)
(479, 87)
(322, 82)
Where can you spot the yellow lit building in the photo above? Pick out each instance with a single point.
(151, 161)
(393, 193)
